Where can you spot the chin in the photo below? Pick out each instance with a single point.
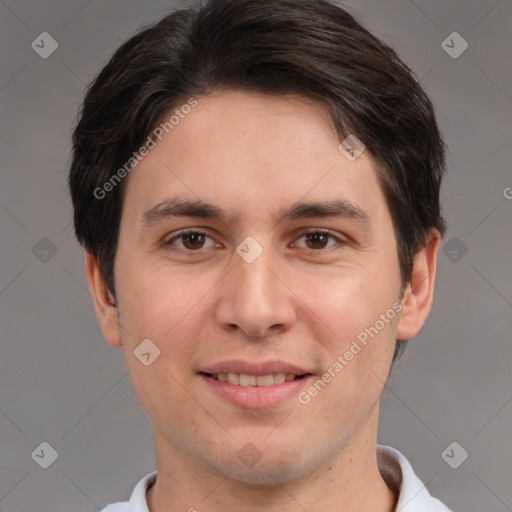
(266, 468)
(268, 474)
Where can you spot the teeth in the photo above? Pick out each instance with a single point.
(279, 378)
(265, 380)
(234, 378)
(241, 379)
(248, 380)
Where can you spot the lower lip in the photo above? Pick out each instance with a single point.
(255, 397)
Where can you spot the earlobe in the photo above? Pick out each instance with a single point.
(104, 302)
(419, 292)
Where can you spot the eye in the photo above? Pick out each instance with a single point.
(319, 239)
(189, 240)
(192, 240)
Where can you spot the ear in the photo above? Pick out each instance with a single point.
(419, 292)
(104, 302)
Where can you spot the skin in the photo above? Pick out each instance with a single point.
(300, 301)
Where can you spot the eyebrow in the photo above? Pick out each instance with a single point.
(338, 208)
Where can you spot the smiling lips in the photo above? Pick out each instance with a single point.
(245, 380)
(245, 373)
(250, 385)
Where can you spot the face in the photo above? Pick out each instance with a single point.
(254, 254)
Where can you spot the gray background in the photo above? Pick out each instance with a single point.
(61, 383)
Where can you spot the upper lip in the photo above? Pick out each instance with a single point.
(251, 368)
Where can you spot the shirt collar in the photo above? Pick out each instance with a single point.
(400, 477)
(393, 466)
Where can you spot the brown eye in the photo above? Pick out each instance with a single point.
(316, 240)
(189, 241)
(193, 240)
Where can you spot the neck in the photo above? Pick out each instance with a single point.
(350, 481)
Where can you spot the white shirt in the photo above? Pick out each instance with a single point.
(393, 466)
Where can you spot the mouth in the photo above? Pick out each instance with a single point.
(248, 385)
(261, 381)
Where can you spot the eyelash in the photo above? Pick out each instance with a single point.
(168, 244)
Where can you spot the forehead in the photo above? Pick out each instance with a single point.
(264, 127)
(246, 150)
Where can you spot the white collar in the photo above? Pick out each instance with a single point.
(399, 475)
(393, 466)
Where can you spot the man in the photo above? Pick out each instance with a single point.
(256, 185)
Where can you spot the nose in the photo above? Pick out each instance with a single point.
(255, 299)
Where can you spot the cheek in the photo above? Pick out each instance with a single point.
(358, 343)
(161, 392)
(157, 301)
(164, 307)
(167, 308)
(348, 304)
